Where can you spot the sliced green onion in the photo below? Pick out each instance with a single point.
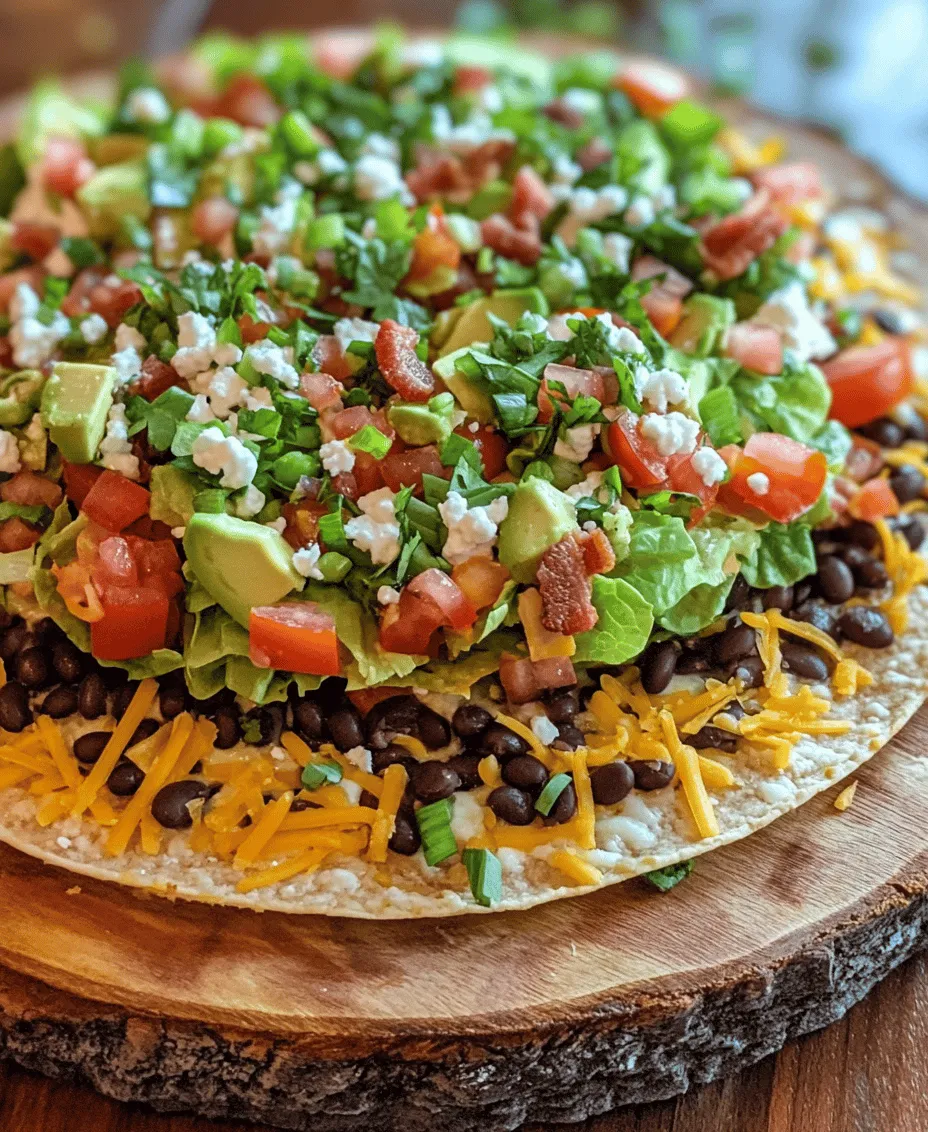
(187, 131)
(325, 232)
(333, 566)
(294, 278)
(212, 501)
(554, 788)
(360, 348)
(289, 468)
(485, 874)
(456, 447)
(220, 132)
(689, 123)
(320, 774)
(370, 439)
(297, 131)
(278, 337)
(434, 823)
(332, 530)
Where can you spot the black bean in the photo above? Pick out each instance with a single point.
(144, 731)
(89, 747)
(466, 768)
(68, 661)
(835, 580)
(564, 807)
(125, 779)
(172, 699)
(907, 483)
(869, 572)
(398, 715)
(169, 808)
(862, 534)
(32, 667)
(658, 665)
(14, 707)
(366, 798)
(122, 697)
(433, 781)
(272, 719)
(749, 670)
(91, 696)
(884, 431)
(735, 643)
(915, 427)
(113, 678)
(13, 639)
(802, 591)
(888, 320)
(345, 728)
(734, 709)
(803, 661)
(432, 729)
(713, 737)
(526, 772)
(470, 720)
(777, 597)
(406, 838)
(563, 706)
(6, 619)
(46, 632)
(819, 616)
(692, 663)
(308, 721)
(651, 774)
(912, 530)
(867, 627)
(228, 720)
(301, 804)
(512, 805)
(569, 738)
(60, 702)
(738, 595)
(501, 742)
(380, 760)
(612, 782)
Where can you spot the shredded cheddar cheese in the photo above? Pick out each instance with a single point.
(687, 763)
(263, 830)
(846, 797)
(394, 784)
(575, 867)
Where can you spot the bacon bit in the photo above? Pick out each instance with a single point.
(789, 183)
(530, 195)
(593, 154)
(321, 390)
(395, 348)
(17, 535)
(471, 79)
(454, 178)
(555, 672)
(30, 490)
(731, 245)
(598, 555)
(565, 589)
(524, 680)
(565, 115)
(520, 240)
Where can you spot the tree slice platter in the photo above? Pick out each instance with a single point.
(483, 1023)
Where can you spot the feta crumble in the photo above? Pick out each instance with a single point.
(196, 340)
(250, 502)
(759, 483)
(348, 330)
(577, 443)
(148, 105)
(788, 311)
(544, 730)
(360, 757)
(709, 466)
(274, 361)
(472, 532)
(127, 337)
(224, 456)
(115, 447)
(32, 341)
(388, 595)
(9, 452)
(670, 433)
(660, 389)
(93, 329)
(305, 562)
(379, 178)
(336, 457)
(376, 529)
(589, 206)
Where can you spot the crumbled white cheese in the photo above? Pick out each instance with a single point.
(178, 532)
(336, 457)
(788, 311)
(586, 489)
(379, 178)
(328, 163)
(274, 361)
(376, 529)
(127, 337)
(279, 524)
(277, 222)
(115, 447)
(379, 145)
(640, 213)
(226, 354)
(32, 341)
(148, 106)
(348, 330)
(588, 206)
(564, 171)
(618, 249)
(196, 340)
(472, 532)
(544, 730)
(709, 466)
(257, 398)
(200, 411)
(250, 502)
(670, 433)
(127, 363)
(225, 390)
(306, 562)
(226, 456)
(360, 757)
(758, 483)
(466, 818)
(660, 389)
(9, 452)
(93, 329)
(463, 139)
(577, 443)
(582, 101)
(388, 595)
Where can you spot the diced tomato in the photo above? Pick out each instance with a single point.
(434, 585)
(154, 556)
(492, 446)
(248, 101)
(151, 530)
(682, 476)
(409, 625)
(32, 276)
(598, 555)
(518, 241)
(65, 166)
(641, 465)
(577, 383)
(665, 277)
(294, 637)
(349, 421)
(303, 521)
(433, 249)
(530, 194)
(79, 479)
(874, 500)
(652, 87)
(339, 54)
(134, 623)
(30, 490)
(867, 381)
(789, 183)
(331, 359)
(594, 153)
(395, 348)
(756, 347)
(17, 535)
(115, 565)
(213, 219)
(731, 245)
(406, 469)
(114, 502)
(864, 459)
(77, 300)
(471, 79)
(368, 473)
(321, 390)
(793, 477)
(112, 300)
(481, 580)
(156, 378)
(364, 699)
(33, 240)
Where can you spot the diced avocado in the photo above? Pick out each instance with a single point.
(423, 424)
(703, 325)
(20, 394)
(444, 324)
(51, 112)
(474, 326)
(539, 516)
(113, 192)
(472, 400)
(172, 492)
(640, 144)
(232, 176)
(240, 564)
(75, 403)
(114, 149)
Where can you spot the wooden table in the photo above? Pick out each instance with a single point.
(867, 1073)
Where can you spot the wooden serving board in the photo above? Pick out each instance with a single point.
(481, 1023)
